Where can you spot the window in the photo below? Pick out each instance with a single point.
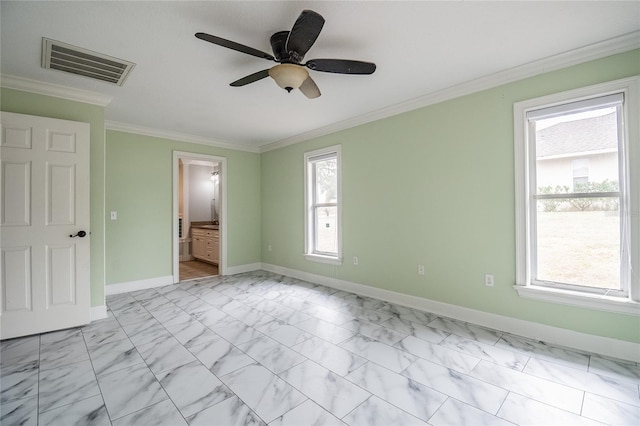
(322, 201)
(581, 166)
(577, 195)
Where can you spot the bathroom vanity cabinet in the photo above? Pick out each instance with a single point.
(205, 244)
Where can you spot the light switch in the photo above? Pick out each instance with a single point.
(114, 215)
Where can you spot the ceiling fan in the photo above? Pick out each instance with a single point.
(289, 48)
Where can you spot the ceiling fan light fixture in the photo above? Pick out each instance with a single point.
(289, 76)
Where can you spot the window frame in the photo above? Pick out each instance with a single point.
(310, 158)
(569, 107)
(629, 153)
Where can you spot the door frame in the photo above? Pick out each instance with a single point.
(183, 155)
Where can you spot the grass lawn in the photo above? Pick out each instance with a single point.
(579, 248)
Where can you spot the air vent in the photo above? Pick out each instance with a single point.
(76, 60)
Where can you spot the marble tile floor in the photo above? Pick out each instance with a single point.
(265, 349)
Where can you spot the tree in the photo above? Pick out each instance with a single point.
(327, 179)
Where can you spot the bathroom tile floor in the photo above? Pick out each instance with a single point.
(191, 269)
(259, 348)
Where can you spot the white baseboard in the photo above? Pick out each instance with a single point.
(138, 285)
(554, 335)
(232, 270)
(98, 312)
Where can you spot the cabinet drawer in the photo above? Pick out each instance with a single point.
(205, 232)
(195, 232)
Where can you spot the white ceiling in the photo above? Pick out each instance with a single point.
(181, 84)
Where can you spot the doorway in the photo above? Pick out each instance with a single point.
(199, 216)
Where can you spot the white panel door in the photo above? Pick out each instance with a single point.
(44, 206)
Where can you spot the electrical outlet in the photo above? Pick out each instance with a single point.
(355, 260)
(488, 280)
(269, 248)
(114, 215)
(420, 269)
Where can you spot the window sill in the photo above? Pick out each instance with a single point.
(324, 259)
(584, 300)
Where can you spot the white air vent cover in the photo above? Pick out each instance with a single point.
(76, 60)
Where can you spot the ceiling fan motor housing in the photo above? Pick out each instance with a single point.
(289, 74)
(278, 45)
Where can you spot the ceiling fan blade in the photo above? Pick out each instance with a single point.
(234, 46)
(304, 33)
(309, 88)
(251, 78)
(341, 66)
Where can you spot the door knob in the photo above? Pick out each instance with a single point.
(80, 234)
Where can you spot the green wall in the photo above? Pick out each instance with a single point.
(140, 187)
(434, 186)
(47, 106)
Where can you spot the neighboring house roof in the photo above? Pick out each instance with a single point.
(578, 137)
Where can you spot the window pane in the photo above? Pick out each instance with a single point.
(577, 152)
(326, 189)
(579, 247)
(578, 238)
(326, 229)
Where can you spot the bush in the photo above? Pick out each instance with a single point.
(580, 204)
(553, 204)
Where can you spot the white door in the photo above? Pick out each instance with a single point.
(44, 271)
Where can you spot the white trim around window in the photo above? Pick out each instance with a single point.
(526, 286)
(312, 249)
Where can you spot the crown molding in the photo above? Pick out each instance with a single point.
(56, 90)
(148, 131)
(592, 52)
(595, 51)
